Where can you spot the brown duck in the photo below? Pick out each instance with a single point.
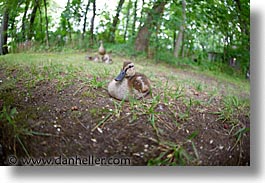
(101, 49)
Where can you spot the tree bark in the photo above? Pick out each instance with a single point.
(115, 22)
(134, 18)
(85, 19)
(3, 31)
(127, 19)
(47, 24)
(23, 29)
(92, 23)
(180, 37)
(174, 39)
(142, 13)
(32, 19)
(183, 45)
(178, 42)
(144, 34)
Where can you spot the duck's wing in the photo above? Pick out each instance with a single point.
(141, 83)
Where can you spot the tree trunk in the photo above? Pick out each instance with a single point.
(134, 18)
(181, 31)
(115, 22)
(47, 24)
(174, 39)
(40, 17)
(183, 45)
(85, 19)
(3, 31)
(144, 34)
(23, 29)
(32, 19)
(178, 42)
(92, 23)
(142, 13)
(127, 19)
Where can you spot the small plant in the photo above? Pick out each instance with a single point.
(151, 112)
(16, 132)
(175, 154)
(96, 84)
(231, 110)
(133, 104)
(118, 108)
(8, 115)
(239, 134)
(186, 115)
(171, 155)
(8, 85)
(166, 92)
(199, 87)
(178, 93)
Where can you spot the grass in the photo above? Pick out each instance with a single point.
(170, 86)
(175, 154)
(16, 129)
(233, 106)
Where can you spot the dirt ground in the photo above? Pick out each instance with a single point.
(69, 118)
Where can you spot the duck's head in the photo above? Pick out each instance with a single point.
(128, 70)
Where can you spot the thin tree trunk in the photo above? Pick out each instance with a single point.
(127, 19)
(183, 45)
(115, 22)
(92, 23)
(134, 18)
(181, 31)
(40, 17)
(178, 42)
(23, 29)
(32, 19)
(69, 31)
(144, 34)
(174, 39)
(69, 27)
(3, 31)
(142, 13)
(85, 19)
(47, 24)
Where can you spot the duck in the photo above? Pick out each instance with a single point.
(129, 84)
(101, 49)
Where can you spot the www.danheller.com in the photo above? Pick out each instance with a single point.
(76, 160)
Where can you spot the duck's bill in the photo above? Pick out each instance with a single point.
(120, 76)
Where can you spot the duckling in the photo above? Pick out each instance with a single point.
(101, 49)
(129, 84)
(95, 59)
(107, 59)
